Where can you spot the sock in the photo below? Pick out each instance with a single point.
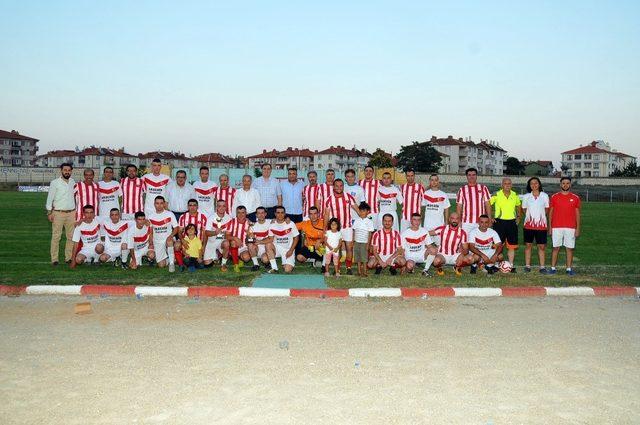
(348, 262)
(179, 258)
(255, 261)
(490, 265)
(223, 262)
(171, 253)
(553, 268)
(429, 261)
(234, 254)
(542, 267)
(274, 264)
(568, 269)
(125, 255)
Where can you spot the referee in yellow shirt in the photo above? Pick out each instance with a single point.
(507, 212)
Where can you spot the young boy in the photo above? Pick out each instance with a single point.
(363, 227)
(192, 250)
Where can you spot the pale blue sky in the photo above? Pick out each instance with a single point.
(237, 77)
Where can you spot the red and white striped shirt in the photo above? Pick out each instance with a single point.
(238, 229)
(339, 206)
(199, 220)
(412, 196)
(131, 195)
(228, 195)
(451, 239)
(311, 195)
(326, 190)
(370, 188)
(473, 200)
(386, 242)
(85, 194)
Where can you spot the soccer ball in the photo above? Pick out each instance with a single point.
(505, 267)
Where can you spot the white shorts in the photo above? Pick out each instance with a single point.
(139, 253)
(435, 238)
(89, 251)
(563, 236)
(242, 249)
(386, 257)
(262, 249)
(469, 227)
(281, 251)
(347, 234)
(489, 252)
(212, 248)
(381, 214)
(161, 250)
(416, 257)
(450, 260)
(112, 251)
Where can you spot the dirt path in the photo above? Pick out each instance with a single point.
(179, 361)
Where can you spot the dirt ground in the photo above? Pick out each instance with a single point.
(262, 361)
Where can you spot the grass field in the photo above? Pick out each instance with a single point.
(606, 254)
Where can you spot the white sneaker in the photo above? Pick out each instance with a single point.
(172, 268)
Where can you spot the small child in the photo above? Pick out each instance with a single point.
(362, 231)
(192, 253)
(332, 242)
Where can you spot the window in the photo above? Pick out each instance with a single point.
(568, 157)
(81, 159)
(596, 157)
(587, 165)
(587, 156)
(577, 157)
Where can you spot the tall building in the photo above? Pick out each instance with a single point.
(91, 157)
(341, 159)
(596, 159)
(487, 157)
(17, 150)
(281, 160)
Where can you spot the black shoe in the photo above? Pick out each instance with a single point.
(527, 269)
(68, 262)
(117, 262)
(474, 269)
(349, 272)
(125, 266)
(378, 270)
(255, 268)
(513, 270)
(55, 263)
(491, 270)
(393, 271)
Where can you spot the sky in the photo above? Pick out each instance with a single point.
(238, 77)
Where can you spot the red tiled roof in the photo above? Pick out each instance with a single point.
(290, 152)
(163, 155)
(450, 141)
(13, 134)
(593, 148)
(58, 153)
(265, 154)
(341, 150)
(214, 157)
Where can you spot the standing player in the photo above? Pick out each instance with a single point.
(260, 232)
(436, 206)
(227, 194)
(164, 227)
(115, 233)
(339, 206)
(108, 193)
(472, 201)
(535, 204)
(239, 248)
(284, 237)
(155, 184)
(87, 232)
(352, 187)
(412, 195)
(132, 188)
(486, 246)
(454, 249)
(86, 193)
(371, 186)
(311, 196)
(507, 213)
(564, 226)
(389, 196)
(215, 238)
(387, 248)
(205, 192)
(140, 238)
(417, 245)
(326, 188)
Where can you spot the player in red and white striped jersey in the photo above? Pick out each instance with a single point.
(164, 227)
(339, 206)
(418, 246)
(141, 239)
(115, 233)
(326, 188)
(227, 194)
(412, 193)
(472, 201)
(311, 195)
(205, 192)
(87, 232)
(195, 217)
(108, 195)
(486, 246)
(389, 196)
(239, 248)
(387, 248)
(454, 247)
(370, 186)
(215, 235)
(155, 184)
(132, 188)
(86, 193)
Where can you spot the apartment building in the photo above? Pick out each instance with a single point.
(486, 156)
(215, 160)
(341, 159)
(597, 159)
(281, 160)
(17, 150)
(91, 157)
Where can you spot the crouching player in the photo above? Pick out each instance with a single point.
(215, 239)
(486, 246)
(454, 249)
(239, 247)
(115, 233)
(259, 231)
(164, 228)
(284, 236)
(418, 246)
(387, 248)
(87, 231)
(140, 238)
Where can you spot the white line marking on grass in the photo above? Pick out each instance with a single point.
(570, 291)
(246, 291)
(478, 292)
(162, 291)
(375, 292)
(54, 289)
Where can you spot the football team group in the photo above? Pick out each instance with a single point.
(156, 220)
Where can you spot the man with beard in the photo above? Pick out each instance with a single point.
(61, 206)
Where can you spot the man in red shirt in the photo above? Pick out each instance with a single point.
(564, 225)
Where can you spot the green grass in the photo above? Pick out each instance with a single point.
(607, 254)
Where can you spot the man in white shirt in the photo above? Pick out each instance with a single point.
(205, 192)
(284, 237)
(179, 192)
(248, 197)
(389, 197)
(88, 231)
(436, 206)
(108, 195)
(486, 246)
(61, 207)
(215, 241)
(417, 245)
(155, 184)
(164, 228)
(352, 187)
(115, 234)
(269, 190)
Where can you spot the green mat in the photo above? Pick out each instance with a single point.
(295, 281)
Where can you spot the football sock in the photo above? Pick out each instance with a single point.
(223, 262)
(348, 262)
(255, 261)
(553, 268)
(171, 253)
(179, 258)
(234, 254)
(429, 261)
(125, 255)
(274, 264)
(568, 269)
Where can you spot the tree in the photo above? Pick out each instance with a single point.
(631, 170)
(380, 159)
(564, 167)
(513, 166)
(419, 156)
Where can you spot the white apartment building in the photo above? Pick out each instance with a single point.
(301, 159)
(341, 159)
(17, 150)
(596, 159)
(92, 157)
(487, 156)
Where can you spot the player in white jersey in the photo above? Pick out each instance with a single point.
(87, 231)
(486, 246)
(389, 197)
(164, 227)
(108, 194)
(115, 234)
(259, 231)
(418, 246)
(215, 241)
(141, 239)
(284, 237)
(412, 193)
(132, 188)
(352, 187)
(387, 248)
(454, 249)
(155, 184)
(370, 186)
(436, 206)
(205, 192)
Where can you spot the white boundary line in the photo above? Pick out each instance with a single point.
(246, 291)
(375, 292)
(162, 291)
(54, 289)
(570, 291)
(477, 292)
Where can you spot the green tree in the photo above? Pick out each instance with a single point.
(419, 156)
(513, 166)
(381, 159)
(631, 170)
